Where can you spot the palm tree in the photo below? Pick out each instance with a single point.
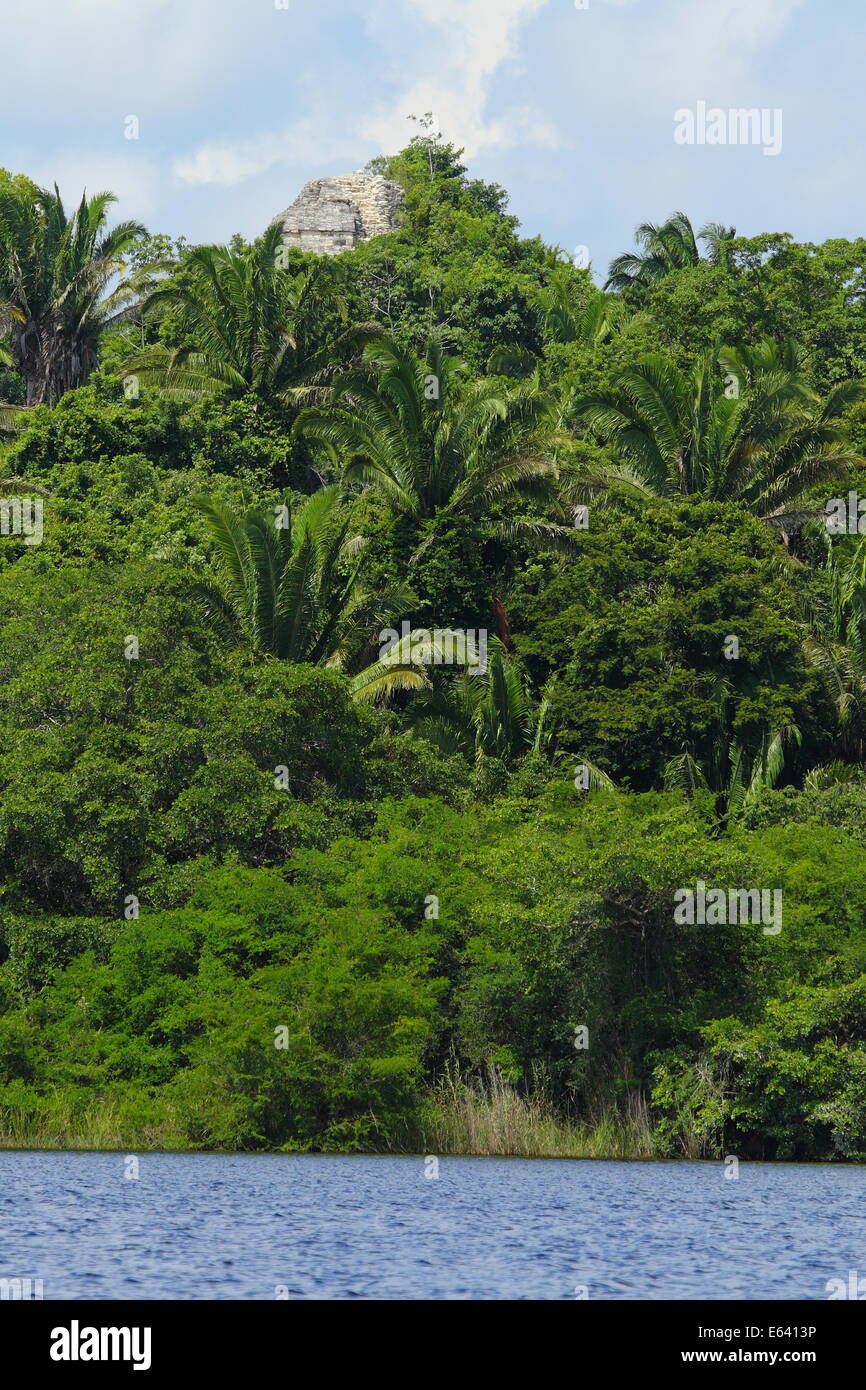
(492, 715)
(671, 246)
(291, 586)
(9, 414)
(734, 773)
(746, 366)
(431, 443)
(834, 639)
(568, 314)
(760, 437)
(835, 774)
(717, 238)
(737, 778)
(62, 284)
(248, 324)
(402, 666)
(489, 714)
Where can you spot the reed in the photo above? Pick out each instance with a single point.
(491, 1117)
(104, 1124)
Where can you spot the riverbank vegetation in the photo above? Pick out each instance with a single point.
(269, 879)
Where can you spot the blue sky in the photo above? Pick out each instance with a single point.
(571, 109)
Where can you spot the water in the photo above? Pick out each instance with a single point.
(197, 1226)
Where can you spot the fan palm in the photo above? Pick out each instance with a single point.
(402, 665)
(835, 639)
(62, 284)
(734, 773)
(747, 774)
(835, 774)
(248, 325)
(432, 443)
(10, 415)
(489, 713)
(761, 444)
(291, 586)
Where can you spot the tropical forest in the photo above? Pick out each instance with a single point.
(432, 685)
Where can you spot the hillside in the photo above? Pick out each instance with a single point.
(580, 869)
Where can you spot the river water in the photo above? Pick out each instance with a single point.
(244, 1226)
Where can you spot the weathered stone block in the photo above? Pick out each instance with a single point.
(330, 215)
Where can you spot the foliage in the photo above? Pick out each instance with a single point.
(62, 284)
(666, 248)
(760, 436)
(268, 879)
(432, 444)
(245, 323)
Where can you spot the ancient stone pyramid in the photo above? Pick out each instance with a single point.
(330, 215)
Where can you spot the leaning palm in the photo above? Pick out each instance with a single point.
(433, 443)
(760, 436)
(247, 323)
(62, 285)
(672, 245)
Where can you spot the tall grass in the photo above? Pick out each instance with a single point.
(491, 1117)
(460, 1116)
(66, 1124)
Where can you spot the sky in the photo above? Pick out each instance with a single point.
(571, 105)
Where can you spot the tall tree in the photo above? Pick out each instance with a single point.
(62, 284)
(671, 245)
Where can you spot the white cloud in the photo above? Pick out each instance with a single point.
(107, 52)
(709, 45)
(229, 163)
(479, 36)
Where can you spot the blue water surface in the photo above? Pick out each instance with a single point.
(245, 1226)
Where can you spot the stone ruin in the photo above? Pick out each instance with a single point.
(331, 215)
